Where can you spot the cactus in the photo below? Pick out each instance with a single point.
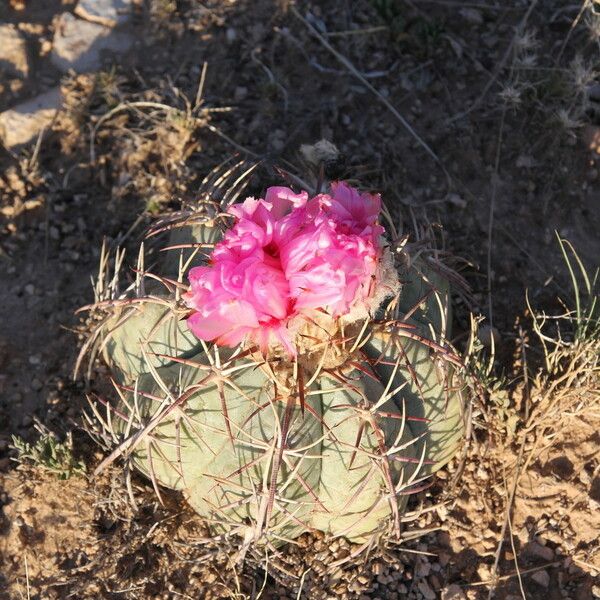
(333, 439)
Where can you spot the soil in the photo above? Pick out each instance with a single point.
(499, 93)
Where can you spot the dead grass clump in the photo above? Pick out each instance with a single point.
(532, 478)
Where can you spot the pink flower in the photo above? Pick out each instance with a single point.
(286, 257)
(356, 212)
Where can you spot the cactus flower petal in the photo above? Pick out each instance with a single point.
(285, 257)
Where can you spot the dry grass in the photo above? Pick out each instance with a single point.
(531, 469)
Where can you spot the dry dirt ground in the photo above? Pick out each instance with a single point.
(501, 99)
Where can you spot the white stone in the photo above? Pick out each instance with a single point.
(79, 44)
(13, 52)
(104, 12)
(22, 123)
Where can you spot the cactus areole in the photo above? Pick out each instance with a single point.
(289, 372)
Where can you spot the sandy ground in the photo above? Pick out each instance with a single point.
(501, 104)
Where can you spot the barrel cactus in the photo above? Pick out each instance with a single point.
(287, 368)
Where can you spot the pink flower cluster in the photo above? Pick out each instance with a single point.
(285, 257)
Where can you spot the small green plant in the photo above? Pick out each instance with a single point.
(421, 34)
(576, 331)
(392, 14)
(587, 314)
(49, 453)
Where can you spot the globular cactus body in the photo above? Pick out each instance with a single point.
(270, 449)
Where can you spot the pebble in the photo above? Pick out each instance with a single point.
(423, 569)
(426, 590)
(240, 93)
(484, 571)
(542, 578)
(472, 15)
(22, 123)
(537, 550)
(231, 35)
(79, 44)
(13, 52)
(457, 200)
(104, 12)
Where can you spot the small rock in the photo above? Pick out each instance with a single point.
(524, 161)
(456, 200)
(453, 592)
(79, 44)
(240, 93)
(423, 569)
(537, 550)
(231, 35)
(542, 578)
(435, 583)
(104, 12)
(426, 590)
(486, 334)
(444, 559)
(471, 15)
(23, 122)
(13, 52)
(484, 571)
